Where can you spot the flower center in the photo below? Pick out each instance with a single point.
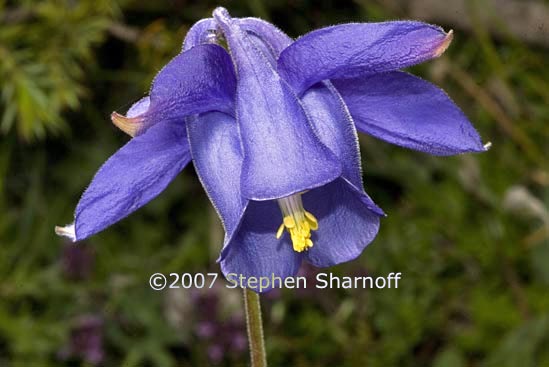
(297, 221)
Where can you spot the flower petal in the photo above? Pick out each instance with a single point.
(328, 113)
(199, 33)
(408, 111)
(358, 49)
(198, 80)
(139, 107)
(255, 251)
(132, 177)
(348, 221)
(195, 81)
(268, 33)
(217, 158)
(334, 127)
(282, 155)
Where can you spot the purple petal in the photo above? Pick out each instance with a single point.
(255, 251)
(199, 33)
(202, 32)
(267, 33)
(139, 107)
(217, 158)
(195, 81)
(358, 49)
(132, 177)
(348, 221)
(334, 127)
(328, 113)
(282, 155)
(408, 111)
(199, 80)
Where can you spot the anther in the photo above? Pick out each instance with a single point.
(297, 221)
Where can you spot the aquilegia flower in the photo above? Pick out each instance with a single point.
(271, 129)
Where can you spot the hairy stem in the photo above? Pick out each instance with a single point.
(254, 325)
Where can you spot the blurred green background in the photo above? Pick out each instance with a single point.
(469, 233)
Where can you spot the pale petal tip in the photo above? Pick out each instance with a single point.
(222, 15)
(66, 231)
(445, 43)
(130, 125)
(487, 146)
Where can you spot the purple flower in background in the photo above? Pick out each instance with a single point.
(77, 261)
(86, 340)
(224, 338)
(219, 327)
(271, 128)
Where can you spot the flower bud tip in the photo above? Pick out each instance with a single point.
(445, 43)
(66, 231)
(129, 125)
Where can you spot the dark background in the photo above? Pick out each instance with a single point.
(469, 233)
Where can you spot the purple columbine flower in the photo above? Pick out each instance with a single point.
(271, 127)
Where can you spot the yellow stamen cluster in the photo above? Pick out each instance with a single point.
(297, 221)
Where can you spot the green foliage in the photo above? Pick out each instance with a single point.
(45, 46)
(473, 253)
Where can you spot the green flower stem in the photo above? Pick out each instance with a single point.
(254, 325)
